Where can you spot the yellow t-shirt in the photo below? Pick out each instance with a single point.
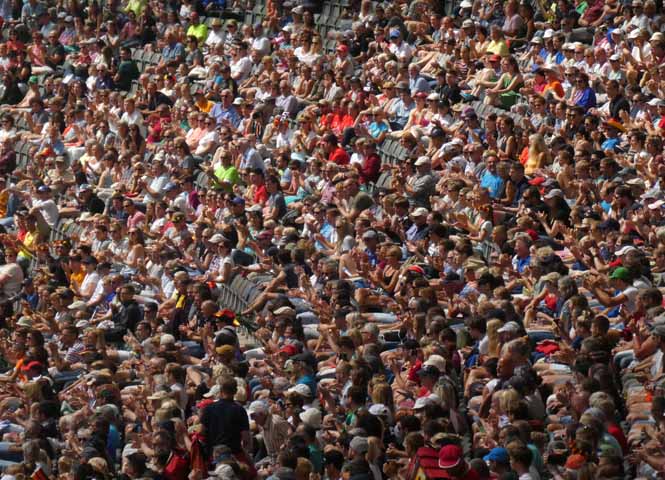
(136, 6)
(77, 277)
(30, 242)
(498, 48)
(199, 31)
(206, 107)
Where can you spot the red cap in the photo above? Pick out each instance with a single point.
(533, 234)
(495, 58)
(204, 403)
(416, 269)
(226, 313)
(450, 456)
(537, 181)
(31, 365)
(290, 350)
(342, 49)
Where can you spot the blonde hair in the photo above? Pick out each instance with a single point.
(494, 346)
(537, 146)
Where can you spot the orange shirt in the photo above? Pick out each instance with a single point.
(556, 86)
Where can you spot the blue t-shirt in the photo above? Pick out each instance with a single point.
(610, 144)
(492, 182)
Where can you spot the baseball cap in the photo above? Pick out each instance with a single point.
(509, 327)
(301, 389)
(497, 454)
(429, 370)
(620, 273)
(420, 212)
(24, 322)
(311, 417)
(370, 234)
(216, 239)
(624, 250)
(555, 192)
(436, 361)
(285, 311)
(379, 410)
(359, 445)
(289, 349)
(422, 161)
(422, 402)
(450, 456)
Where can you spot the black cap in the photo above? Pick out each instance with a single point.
(429, 370)
(609, 224)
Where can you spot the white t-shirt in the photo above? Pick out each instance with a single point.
(631, 295)
(240, 69)
(49, 210)
(12, 285)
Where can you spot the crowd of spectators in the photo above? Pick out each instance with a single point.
(447, 219)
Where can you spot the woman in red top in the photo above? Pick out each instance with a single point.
(174, 461)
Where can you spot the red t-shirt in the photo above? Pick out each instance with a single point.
(260, 195)
(614, 430)
(339, 156)
(177, 467)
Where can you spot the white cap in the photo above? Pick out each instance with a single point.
(436, 361)
(509, 327)
(467, 23)
(213, 392)
(555, 192)
(285, 311)
(657, 36)
(624, 250)
(422, 402)
(656, 205)
(466, 4)
(422, 161)
(301, 389)
(615, 57)
(634, 34)
(568, 46)
(656, 102)
(379, 410)
(311, 417)
(167, 339)
(77, 305)
(216, 238)
(420, 212)
(549, 33)
(258, 406)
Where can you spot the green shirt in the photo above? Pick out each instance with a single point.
(199, 31)
(227, 175)
(127, 71)
(136, 6)
(316, 457)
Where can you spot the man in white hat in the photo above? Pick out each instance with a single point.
(424, 183)
(274, 429)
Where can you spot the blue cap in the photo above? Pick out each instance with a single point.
(170, 186)
(394, 33)
(497, 454)
(238, 201)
